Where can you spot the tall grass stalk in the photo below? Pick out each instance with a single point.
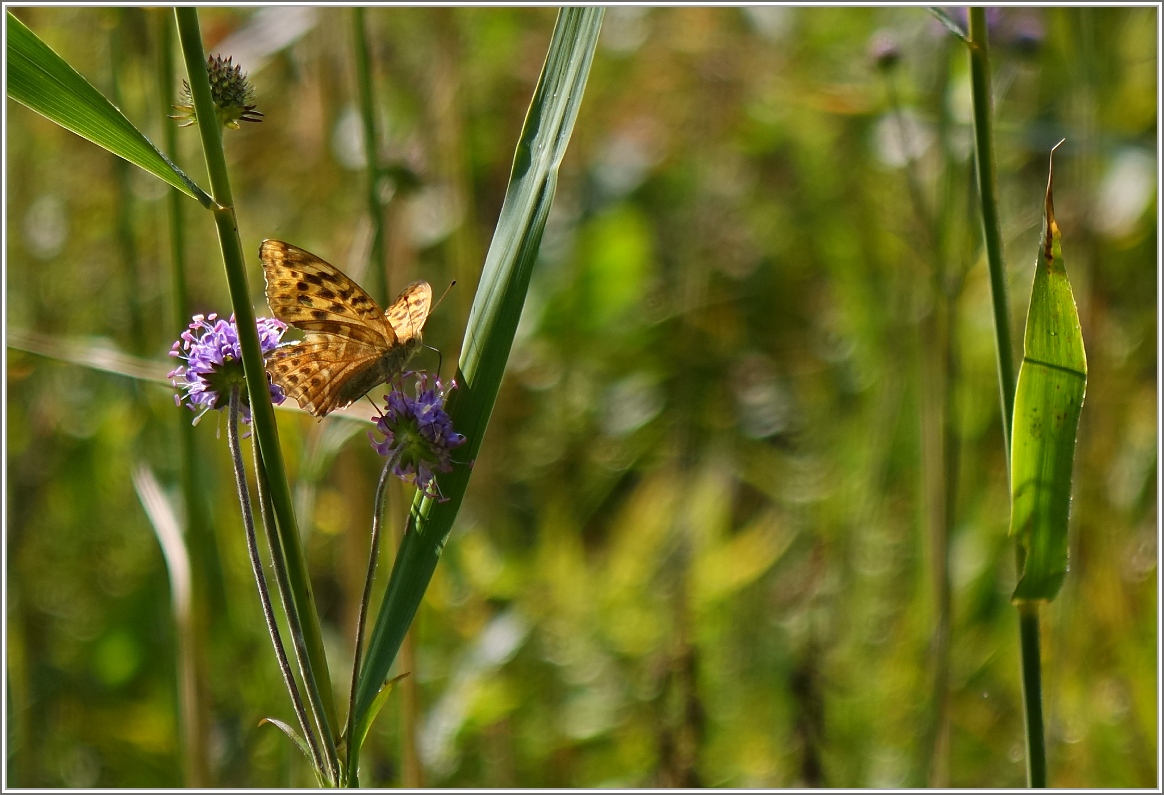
(379, 503)
(199, 537)
(377, 281)
(126, 238)
(988, 197)
(302, 617)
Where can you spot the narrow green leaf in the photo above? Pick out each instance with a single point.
(94, 352)
(1049, 396)
(949, 22)
(41, 80)
(300, 743)
(378, 703)
(493, 321)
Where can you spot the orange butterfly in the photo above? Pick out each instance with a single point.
(350, 346)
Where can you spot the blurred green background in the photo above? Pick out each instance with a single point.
(703, 541)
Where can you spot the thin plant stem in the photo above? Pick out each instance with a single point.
(411, 771)
(278, 564)
(179, 296)
(912, 179)
(1033, 694)
(365, 600)
(194, 706)
(377, 278)
(126, 238)
(261, 579)
(988, 197)
(302, 617)
(991, 225)
(937, 439)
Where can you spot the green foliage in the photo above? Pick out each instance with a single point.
(696, 545)
(41, 80)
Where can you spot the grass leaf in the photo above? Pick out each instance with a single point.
(41, 80)
(1049, 396)
(377, 704)
(295, 738)
(493, 321)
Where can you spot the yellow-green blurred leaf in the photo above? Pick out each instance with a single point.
(724, 570)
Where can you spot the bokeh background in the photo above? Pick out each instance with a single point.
(751, 407)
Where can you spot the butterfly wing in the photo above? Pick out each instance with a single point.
(408, 313)
(312, 295)
(350, 346)
(325, 371)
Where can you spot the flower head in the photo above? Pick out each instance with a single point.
(884, 50)
(213, 362)
(229, 89)
(1026, 34)
(418, 434)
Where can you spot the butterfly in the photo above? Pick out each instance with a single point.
(351, 345)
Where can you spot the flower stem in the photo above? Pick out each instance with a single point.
(988, 196)
(279, 566)
(1032, 694)
(365, 600)
(261, 579)
(312, 661)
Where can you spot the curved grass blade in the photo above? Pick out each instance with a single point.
(492, 322)
(300, 743)
(94, 352)
(168, 530)
(949, 22)
(41, 80)
(1051, 384)
(361, 729)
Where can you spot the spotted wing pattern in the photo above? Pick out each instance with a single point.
(407, 314)
(313, 295)
(316, 370)
(349, 346)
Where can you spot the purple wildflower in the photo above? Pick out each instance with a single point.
(213, 362)
(418, 434)
(1026, 34)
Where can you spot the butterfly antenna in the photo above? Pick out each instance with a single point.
(377, 408)
(446, 292)
(440, 358)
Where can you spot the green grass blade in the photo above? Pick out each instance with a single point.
(300, 743)
(949, 22)
(492, 322)
(41, 80)
(93, 353)
(361, 730)
(1051, 383)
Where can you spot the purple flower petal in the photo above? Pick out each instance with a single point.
(212, 361)
(419, 434)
